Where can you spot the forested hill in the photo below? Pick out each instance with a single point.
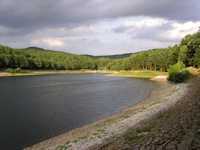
(188, 52)
(118, 56)
(37, 58)
(33, 48)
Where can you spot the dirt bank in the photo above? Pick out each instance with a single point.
(160, 78)
(27, 73)
(5, 74)
(108, 132)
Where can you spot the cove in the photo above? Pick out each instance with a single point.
(35, 108)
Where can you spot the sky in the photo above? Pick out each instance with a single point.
(97, 27)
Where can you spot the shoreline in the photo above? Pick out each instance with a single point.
(100, 131)
(175, 127)
(158, 77)
(6, 74)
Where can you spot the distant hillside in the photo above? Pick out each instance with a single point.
(118, 56)
(35, 48)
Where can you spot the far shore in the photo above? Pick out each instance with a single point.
(27, 73)
(152, 75)
(93, 135)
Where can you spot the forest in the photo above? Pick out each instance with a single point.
(33, 58)
(36, 59)
(188, 52)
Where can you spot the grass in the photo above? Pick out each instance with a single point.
(136, 134)
(75, 141)
(140, 74)
(97, 134)
(158, 102)
(43, 72)
(65, 146)
(101, 130)
(84, 137)
(107, 122)
(172, 92)
(19, 74)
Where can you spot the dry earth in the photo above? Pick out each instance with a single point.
(169, 118)
(4, 74)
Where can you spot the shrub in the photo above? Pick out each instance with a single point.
(17, 70)
(178, 73)
(10, 70)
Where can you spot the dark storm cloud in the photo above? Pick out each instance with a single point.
(20, 14)
(75, 24)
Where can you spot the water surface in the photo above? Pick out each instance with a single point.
(35, 108)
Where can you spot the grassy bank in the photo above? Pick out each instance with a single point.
(45, 72)
(139, 74)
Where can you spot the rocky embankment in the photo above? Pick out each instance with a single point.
(177, 127)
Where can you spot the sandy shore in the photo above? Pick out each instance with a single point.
(5, 74)
(28, 73)
(100, 131)
(160, 78)
(2, 74)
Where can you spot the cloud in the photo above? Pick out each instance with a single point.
(96, 26)
(54, 42)
(39, 14)
(82, 29)
(157, 29)
(6, 30)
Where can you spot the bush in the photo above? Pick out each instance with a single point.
(178, 73)
(17, 70)
(10, 70)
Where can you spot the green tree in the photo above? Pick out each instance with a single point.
(150, 60)
(183, 54)
(197, 57)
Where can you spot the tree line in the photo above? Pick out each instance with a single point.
(188, 52)
(36, 59)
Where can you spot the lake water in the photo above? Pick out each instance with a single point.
(35, 108)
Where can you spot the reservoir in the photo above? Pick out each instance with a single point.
(36, 108)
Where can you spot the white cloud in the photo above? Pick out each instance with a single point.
(54, 42)
(83, 29)
(186, 28)
(146, 23)
(178, 30)
(157, 29)
(106, 29)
